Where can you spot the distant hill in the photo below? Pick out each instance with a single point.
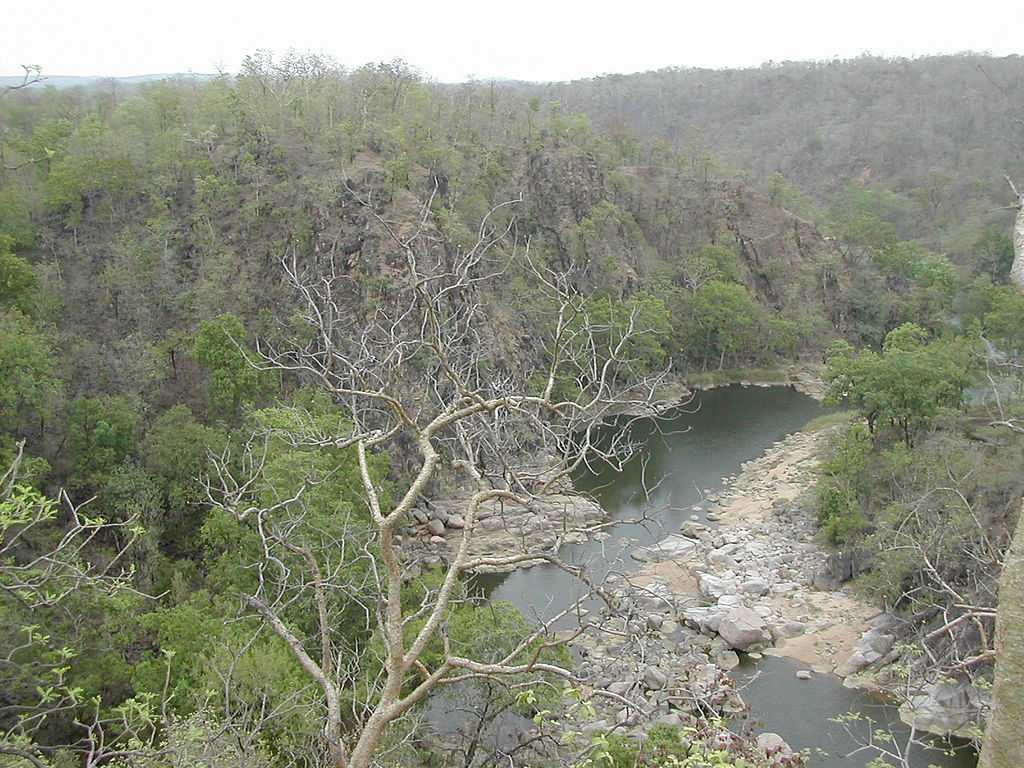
(75, 81)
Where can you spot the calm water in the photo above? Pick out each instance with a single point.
(688, 456)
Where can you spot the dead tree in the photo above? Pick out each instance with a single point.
(414, 368)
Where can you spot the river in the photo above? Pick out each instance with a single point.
(688, 456)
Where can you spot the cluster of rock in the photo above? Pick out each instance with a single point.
(647, 667)
(502, 527)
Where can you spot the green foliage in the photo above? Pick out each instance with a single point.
(18, 280)
(175, 453)
(27, 368)
(101, 435)
(841, 486)
(725, 317)
(993, 253)
(15, 219)
(906, 386)
(233, 381)
(1004, 321)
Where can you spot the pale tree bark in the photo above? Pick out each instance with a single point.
(1017, 270)
(1004, 745)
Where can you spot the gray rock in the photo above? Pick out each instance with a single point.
(438, 540)
(871, 647)
(620, 688)
(456, 522)
(744, 630)
(714, 586)
(803, 674)
(655, 679)
(773, 745)
(944, 708)
(789, 629)
(754, 587)
(671, 547)
(435, 527)
(727, 660)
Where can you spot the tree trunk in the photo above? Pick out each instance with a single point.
(1017, 270)
(1004, 746)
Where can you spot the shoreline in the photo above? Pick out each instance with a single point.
(803, 377)
(762, 549)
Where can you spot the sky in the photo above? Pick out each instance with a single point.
(454, 40)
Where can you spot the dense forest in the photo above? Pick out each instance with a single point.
(251, 324)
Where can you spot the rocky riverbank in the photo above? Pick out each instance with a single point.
(503, 528)
(755, 555)
(746, 575)
(803, 377)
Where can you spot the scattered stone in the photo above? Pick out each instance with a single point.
(435, 528)
(803, 674)
(456, 522)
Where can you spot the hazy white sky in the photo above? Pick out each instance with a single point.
(526, 39)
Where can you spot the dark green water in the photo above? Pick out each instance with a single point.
(685, 456)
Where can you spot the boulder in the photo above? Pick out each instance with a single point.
(727, 660)
(789, 629)
(744, 630)
(620, 687)
(754, 587)
(773, 745)
(456, 522)
(714, 587)
(435, 527)
(944, 709)
(872, 646)
(655, 679)
(671, 547)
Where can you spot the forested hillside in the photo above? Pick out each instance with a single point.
(249, 324)
(935, 132)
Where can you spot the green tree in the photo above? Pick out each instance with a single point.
(18, 281)
(28, 376)
(1004, 322)
(905, 386)
(232, 381)
(101, 435)
(725, 318)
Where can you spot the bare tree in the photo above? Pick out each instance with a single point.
(413, 371)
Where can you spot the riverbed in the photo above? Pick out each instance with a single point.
(686, 462)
